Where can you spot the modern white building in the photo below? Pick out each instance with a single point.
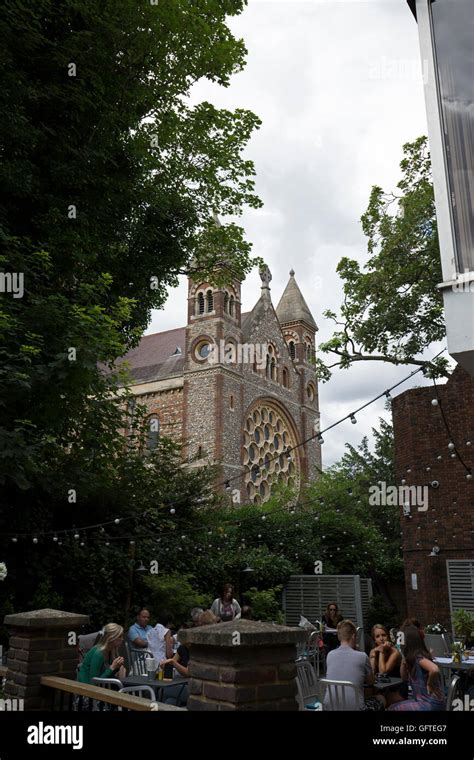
(446, 34)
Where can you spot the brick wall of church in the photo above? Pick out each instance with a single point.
(168, 405)
(420, 438)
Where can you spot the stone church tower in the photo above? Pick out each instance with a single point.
(239, 389)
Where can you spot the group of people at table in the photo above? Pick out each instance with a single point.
(399, 654)
(104, 660)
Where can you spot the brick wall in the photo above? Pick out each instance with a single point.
(420, 439)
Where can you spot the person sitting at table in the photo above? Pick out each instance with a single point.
(386, 659)
(346, 663)
(137, 633)
(331, 619)
(225, 607)
(422, 673)
(180, 662)
(415, 622)
(102, 661)
(160, 639)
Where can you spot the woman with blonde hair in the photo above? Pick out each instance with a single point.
(384, 657)
(103, 661)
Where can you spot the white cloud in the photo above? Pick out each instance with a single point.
(338, 86)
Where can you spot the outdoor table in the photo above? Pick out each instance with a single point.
(447, 662)
(383, 685)
(157, 686)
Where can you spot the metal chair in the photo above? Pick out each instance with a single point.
(107, 683)
(307, 683)
(139, 691)
(454, 692)
(338, 692)
(138, 659)
(435, 644)
(360, 638)
(448, 643)
(316, 652)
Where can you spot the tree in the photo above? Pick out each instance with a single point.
(392, 309)
(109, 184)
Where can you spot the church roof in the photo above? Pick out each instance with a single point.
(292, 306)
(157, 356)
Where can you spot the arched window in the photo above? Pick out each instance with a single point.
(200, 303)
(308, 350)
(284, 377)
(226, 302)
(273, 368)
(292, 347)
(152, 433)
(231, 306)
(210, 300)
(270, 368)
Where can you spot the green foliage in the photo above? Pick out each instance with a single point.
(392, 308)
(265, 605)
(380, 612)
(173, 593)
(463, 623)
(108, 186)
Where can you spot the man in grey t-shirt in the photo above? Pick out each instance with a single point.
(347, 664)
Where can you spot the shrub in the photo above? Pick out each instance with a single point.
(265, 605)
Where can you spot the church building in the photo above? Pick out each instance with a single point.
(239, 389)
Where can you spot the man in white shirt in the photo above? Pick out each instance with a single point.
(346, 663)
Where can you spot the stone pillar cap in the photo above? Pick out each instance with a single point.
(251, 633)
(46, 619)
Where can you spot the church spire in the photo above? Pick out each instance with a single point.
(293, 307)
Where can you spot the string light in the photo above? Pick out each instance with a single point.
(353, 419)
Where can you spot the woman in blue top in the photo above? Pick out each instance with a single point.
(423, 675)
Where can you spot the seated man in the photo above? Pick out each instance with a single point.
(137, 633)
(347, 664)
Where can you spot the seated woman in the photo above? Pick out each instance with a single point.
(423, 675)
(178, 695)
(102, 661)
(331, 618)
(386, 659)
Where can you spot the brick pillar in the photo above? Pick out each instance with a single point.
(242, 665)
(40, 644)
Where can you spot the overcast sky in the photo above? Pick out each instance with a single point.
(338, 86)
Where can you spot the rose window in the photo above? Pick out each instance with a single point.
(267, 439)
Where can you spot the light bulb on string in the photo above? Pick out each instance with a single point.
(450, 445)
(353, 419)
(469, 475)
(14, 539)
(320, 438)
(117, 520)
(172, 511)
(35, 540)
(388, 395)
(55, 538)
(434, 402)
(76, 536)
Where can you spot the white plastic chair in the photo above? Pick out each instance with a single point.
(338, 693)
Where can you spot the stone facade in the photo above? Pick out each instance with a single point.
(239, 389)
(422, 457)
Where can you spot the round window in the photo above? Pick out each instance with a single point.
(202, 350)
(310, 392)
